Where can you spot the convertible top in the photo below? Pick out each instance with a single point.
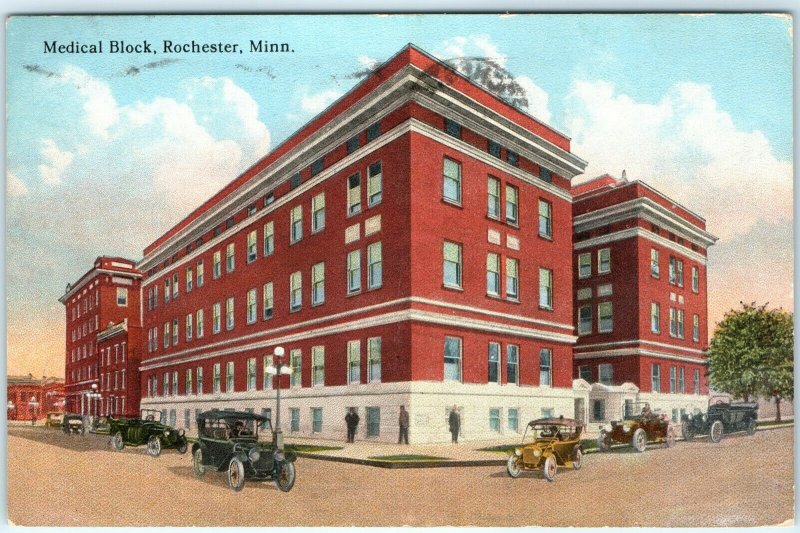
(219, 415)
(553, 421)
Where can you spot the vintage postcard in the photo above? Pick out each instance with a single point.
(400, 270)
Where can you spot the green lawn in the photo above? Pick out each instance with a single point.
(775, 423)
(310, 448)
(407, 458)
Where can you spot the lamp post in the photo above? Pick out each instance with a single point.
(10, 407)
(278, 370)
(33, 404)
(92, 396)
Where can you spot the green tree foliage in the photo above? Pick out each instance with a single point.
(751, 354)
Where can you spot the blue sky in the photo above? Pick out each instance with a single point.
(119, 147)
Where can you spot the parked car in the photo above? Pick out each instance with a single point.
(73, 424)
(54, 419)
(723, 417)
(639, 426)
(547, 444)
(241, 445)
(149, 430)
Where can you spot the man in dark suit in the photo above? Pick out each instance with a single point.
(403, 426)
(351, 419)
(454, 421)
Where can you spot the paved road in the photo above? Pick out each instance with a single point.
(74, 481)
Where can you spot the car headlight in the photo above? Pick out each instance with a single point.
(279, 455)
(254, 455)
(517, 452)
(181, 432)
(626, 429)
(166, 433)
(537, 453)
(690, 416)
(704, 418)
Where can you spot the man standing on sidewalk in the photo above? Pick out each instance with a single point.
(403, 426)
(351, 420)
(454, 421)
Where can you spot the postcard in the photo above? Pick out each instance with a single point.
(400, 270)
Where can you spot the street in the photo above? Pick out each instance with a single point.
(60, 480)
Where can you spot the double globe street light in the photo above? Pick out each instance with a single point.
(278, 370)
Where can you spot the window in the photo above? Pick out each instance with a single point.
(695, 279)
(353, 362)
(252, 250)
(175, 285)
(251, 210)
(545, 175)
(696, 328)
(654, 268)
(493, 148)
(294, 414)
(675, 271)
(216, 378)
(373, 421)
(251, 306)
(269, 238)
(655, 317)
(317, 365)
(373, 132)
(188, 381)
(584, 320)
(493, 209)
(452, 265)
(266, 376)
(452, 359)
(318, 284)
(174, 382)
(545, 219)
(217, 265)
(680, 323)
(452, 128)
(605, 317)
(122, 297)
(295, 180)
(268, 199)
(513, 419)
(493, 274)
(317, 166)
(187, 418)
(512, 205)
(512, 158)
(268, 301)
(167, 291)
(494, 362)
(229, 376)
(604, 261)
(585, 373)
(353, 144)
(584, 266)
(188, 279)
(229, 313)
(200, 274)
(374, 345)
(697, 381)
(354, 271)
(216, 318)
(166, 334)
(189, 324)
(545, 367)
(199, 317)
(598, 410)
(318, 212)
(679, 273)
(672, 376)
(452, 181)
(545, 288)
(606, 372)
(512, 364)
(296, 217)
(374, 265)
(174, 331)
(295, 291)
(316, 420)
(230, 259)
(296, 360)
(655, 378)
(229, 223)
(199, 380)
(251, 373)
(374, 184)
(494, 420)
(512, 279)
(354, 194)
(681, 381)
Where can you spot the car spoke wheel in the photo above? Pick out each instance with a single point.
(751, 426)
(687, 432)
(716, 431)
(639, 440)
(183, 446)
(236, 475)
(197, 463)
(153, 446)
(513, 467)
(670, 439)
(602, 442)
(285, 478)
(117, 442)
(550, 468)
(577, 459)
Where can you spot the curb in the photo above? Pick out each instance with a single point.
(402, 464)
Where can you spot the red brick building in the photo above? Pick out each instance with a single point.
(32, 398)
(107, 295)
(640, 294)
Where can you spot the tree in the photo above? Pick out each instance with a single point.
(751, 354)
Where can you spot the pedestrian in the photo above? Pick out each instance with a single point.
(454, 421)
(351, 419)
(403, 438)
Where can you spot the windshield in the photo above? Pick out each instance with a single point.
(151, 415)
(236, 428)
(635, 410)
(549, 431)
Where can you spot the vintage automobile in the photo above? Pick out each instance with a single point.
(54, 419)
(639, 426)
(73, 424)
(149, 430)
(547, 444)
(241, 444)
(723, 416)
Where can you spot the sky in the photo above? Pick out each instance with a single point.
(105, 152)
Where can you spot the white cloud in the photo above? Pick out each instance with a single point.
(314, 103)
(56, 162)
(685, 146)
(14, 186)
(99, 104)
(368, 62)
(537, 99)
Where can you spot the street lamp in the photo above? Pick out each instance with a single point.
(10, 406)
(33, 404)
(280, 369)
(93, 395)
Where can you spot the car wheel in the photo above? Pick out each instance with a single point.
(751, 426)
(602, 442)
(236, 475)
(197, 463)
(550, 468)
(183, 446)
(153, 446)
(83, 431)
(670, 439)
(513, 467)
(285, 478)
(117, 442)
(716, 431)
(577, 459)
(639, 440)
(687, 432)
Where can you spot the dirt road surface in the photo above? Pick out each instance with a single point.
(56, 480)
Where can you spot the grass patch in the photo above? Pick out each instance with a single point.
(407, 458)
(310, 448)
(775, 422)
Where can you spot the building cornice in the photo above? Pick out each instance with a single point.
(626, 352)
(93, 274)
(585, 347)
(631, 233)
